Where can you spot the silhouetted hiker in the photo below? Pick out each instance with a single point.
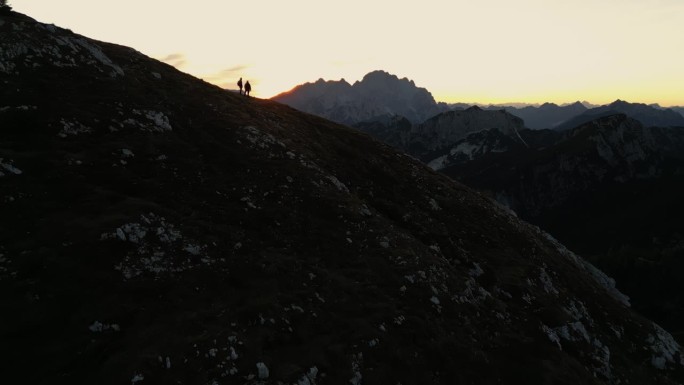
(248, 87)
(240, 85)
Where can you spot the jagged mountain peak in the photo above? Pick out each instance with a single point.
(323, 81)
(379, 93)
(158, 229)
(378, 75)
(323, 85)
(384, 77)
(619, 102)
(385, 85)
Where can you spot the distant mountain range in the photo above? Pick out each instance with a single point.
(649, 116)
(516, 105)
(564, 117)
(378, 94)
(450, 136)
(548, 115)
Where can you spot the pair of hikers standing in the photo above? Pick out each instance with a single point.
(248, 87)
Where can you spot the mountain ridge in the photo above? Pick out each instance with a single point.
(646, 114)
(437, 140)
(547, 115)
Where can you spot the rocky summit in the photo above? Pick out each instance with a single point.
(157, 229)
(378, 95)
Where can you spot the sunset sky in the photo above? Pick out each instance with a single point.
(487, 51)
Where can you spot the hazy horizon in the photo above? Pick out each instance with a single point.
(492, 52)
(504, 103)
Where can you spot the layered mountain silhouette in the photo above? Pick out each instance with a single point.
(378, 95)
(610, 189)
(449, 137)
(548, 115)
(649, 116)
(158, 229)
(553, 116)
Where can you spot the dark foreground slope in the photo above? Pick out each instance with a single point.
(157, 229)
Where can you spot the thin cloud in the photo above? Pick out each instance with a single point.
(228, 73)
(175, 59)
(228, 77)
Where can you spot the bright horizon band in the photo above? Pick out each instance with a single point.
(498, 51)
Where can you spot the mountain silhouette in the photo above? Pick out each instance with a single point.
(548, 115)
(157, 229)
(439, 140)
(649, 116)
(377, 95)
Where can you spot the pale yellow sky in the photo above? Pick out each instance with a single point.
(486, 51)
